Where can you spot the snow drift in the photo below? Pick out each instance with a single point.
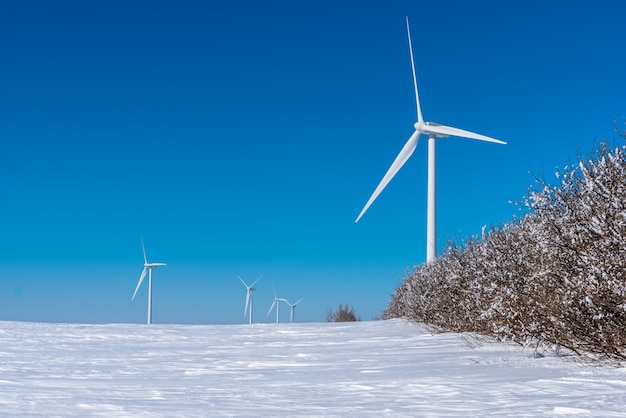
(366, 369)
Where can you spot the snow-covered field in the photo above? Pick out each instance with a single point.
(379, 368)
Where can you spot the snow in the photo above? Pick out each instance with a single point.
(378, 368)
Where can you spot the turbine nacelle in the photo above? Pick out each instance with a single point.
(423, 128)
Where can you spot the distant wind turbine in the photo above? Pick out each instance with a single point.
(433, 131)
(249, 290)
(147, 267)
(276, 302)
(293, 307)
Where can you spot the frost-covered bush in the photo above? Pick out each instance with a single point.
(342, 314)
(555, 276)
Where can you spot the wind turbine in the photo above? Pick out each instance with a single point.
(147, 267)
(276, 302)
(433, 131)
(249, 290)
(293, 307)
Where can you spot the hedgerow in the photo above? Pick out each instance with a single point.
(553, 277)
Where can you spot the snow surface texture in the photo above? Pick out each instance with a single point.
(378, 368)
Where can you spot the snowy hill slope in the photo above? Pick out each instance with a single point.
(380, 368)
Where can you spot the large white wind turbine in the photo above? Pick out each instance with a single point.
(433, 131)
(147, 267)
(276, 302)
(249, 290)
(293, 307)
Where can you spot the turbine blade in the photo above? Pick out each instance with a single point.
(145, 259)
(402, 157)
(448, 130)
(244, 283)
(143, 275)
(417, 97)
(298, 302)
(271, 307)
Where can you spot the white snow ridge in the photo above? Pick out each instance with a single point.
(363, 369)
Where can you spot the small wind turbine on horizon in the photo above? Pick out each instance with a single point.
(433, 131)
(249, 290)
(147, 267)
(276, 302)
(293, 307)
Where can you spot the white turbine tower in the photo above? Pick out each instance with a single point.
(276, 302)
(293, 307)
(433, 131)
(249, 290)
(147, 267)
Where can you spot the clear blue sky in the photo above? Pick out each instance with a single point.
(244, 137)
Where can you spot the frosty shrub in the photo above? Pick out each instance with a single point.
(554, 276)
(342, 314)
